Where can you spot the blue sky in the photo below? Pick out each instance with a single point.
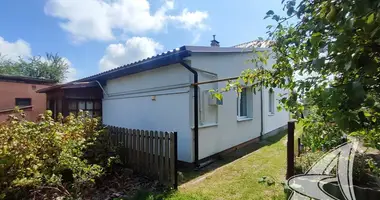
(95, 35)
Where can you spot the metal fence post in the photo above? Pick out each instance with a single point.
(290, 149)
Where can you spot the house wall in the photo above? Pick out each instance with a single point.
(228, 130)
(158, 99)
(161, 99)
(11, 90)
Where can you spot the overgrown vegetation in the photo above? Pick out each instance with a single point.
(320, 134)
(63, 156)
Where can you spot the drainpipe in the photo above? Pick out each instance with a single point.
(196, 142)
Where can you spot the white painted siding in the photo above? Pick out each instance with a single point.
(229, 131)
(278, 119)
(130, 104)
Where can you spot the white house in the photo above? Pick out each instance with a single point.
(157, 94)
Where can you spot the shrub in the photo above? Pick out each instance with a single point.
(306, 160)
(49, 153)
(319, 134)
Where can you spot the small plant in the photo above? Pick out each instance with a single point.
(308, 159)
(267, 180)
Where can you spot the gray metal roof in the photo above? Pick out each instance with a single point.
(255, 44)
(160, 60)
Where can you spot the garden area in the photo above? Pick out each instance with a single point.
(63, 158)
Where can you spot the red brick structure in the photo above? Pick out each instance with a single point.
(21, 91)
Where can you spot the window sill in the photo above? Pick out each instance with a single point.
(270, 114)
(206, 125)
(242, 119)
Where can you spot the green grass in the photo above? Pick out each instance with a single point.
(239, 179)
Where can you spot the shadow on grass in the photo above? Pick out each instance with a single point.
(186, 175)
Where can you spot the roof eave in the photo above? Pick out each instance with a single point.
(145, 65)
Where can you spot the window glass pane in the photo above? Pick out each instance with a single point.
(72, 105)
(97, 105)
(81, 105)
(23, 101)
(90, 112)
(271, 101)
(243, 102)
(89, 105)
(96, 113)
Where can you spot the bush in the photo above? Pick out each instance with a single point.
(49, 153)
(319, 134)
(306, 160)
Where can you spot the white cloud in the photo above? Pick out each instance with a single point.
(134, 49)
(71, 71)
(14, 50)
(97, 19)
(191, 20)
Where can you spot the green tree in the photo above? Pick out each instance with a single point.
(52, 66)
(335, 45)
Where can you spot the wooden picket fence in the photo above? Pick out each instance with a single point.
(151, 153)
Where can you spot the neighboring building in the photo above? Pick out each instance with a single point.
(158, 93)
(21, 91)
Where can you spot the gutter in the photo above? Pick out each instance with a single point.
(196, 125)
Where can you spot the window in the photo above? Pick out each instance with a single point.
(23, 102)
(93, 107)
(271, 101)
(244, 104)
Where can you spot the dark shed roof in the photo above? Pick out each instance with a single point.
(25, 79)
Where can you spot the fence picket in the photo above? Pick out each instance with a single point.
(151, 153)
(162, 159)
(134, 157)
(146, 151)
(166, 169)
(125, 132)
(173, 170)
(156, 158)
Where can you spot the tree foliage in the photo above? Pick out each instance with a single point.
(51, 67)
(330, 56)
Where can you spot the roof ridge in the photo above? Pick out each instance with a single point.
(255, 44)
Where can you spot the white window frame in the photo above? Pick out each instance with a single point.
(271, 102)
(248, 101)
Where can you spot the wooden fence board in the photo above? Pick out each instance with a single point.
(166, 169)
(162, 159)
(151, 153)
(156, 155)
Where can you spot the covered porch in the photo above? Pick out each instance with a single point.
(73, 97)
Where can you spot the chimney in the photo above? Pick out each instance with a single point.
(214, 43)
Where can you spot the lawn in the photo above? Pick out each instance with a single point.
(238, 179)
